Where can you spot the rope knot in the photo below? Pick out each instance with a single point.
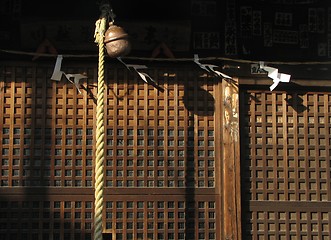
(100, 28)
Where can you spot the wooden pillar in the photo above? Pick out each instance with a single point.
(231, 161)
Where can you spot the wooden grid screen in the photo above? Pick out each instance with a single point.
(161, 154)
(286, 165)
(155, 141)
(46, 131)
(161, 218)
(47, 219)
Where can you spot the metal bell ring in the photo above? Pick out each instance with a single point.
(116, 41)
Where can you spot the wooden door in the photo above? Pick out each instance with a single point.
(285, 159)
(165, 145)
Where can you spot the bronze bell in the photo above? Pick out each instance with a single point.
(116, 41)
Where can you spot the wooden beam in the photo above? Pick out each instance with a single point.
(231, 161)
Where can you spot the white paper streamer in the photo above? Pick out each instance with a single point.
(143, 76)
(275, 76)
(57, 74)
(210, 68)
(77, 78)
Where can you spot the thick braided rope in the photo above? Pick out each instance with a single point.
(100, 133)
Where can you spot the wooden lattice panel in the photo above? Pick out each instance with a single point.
(68, 218)
(46, 140)
(48, 219)
(162, 153)
(161, 218)
(286, 164)
(153, 138)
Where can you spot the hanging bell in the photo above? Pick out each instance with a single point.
(116, 41)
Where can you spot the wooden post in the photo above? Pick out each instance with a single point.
(231, 161)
